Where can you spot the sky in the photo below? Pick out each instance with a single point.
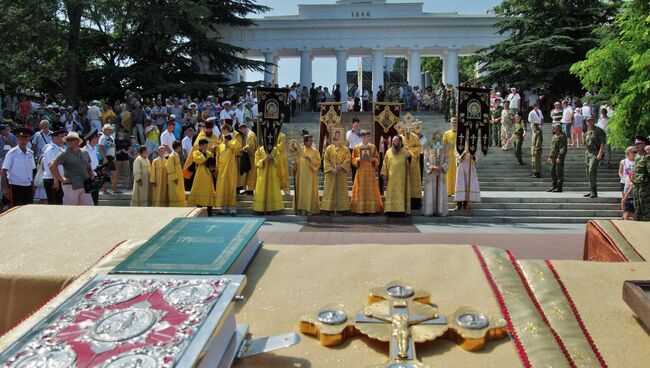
(324, 69)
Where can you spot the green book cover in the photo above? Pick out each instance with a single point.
(203, 246)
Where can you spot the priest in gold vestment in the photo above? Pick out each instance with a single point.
(211, 137)
(396, 172)
(158, 179)
(306, 167)
(449, 141)
(249, 142)
(175, 184)
(268, 197)
(365, 190)
(227, 170)
(411, 142)
(202, 193)
(336, 166)
(283, 164)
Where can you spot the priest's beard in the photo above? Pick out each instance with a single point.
(397, 148)
(208, 134)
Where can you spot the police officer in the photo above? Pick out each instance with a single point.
(595, 141)
(18, 171)
(556, 157)
(641, 179)
(536, 150)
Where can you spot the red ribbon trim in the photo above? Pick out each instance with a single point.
(504, 309)
(533, 298)
(576, 314)
(621, 233)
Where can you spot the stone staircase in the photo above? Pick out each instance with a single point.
(509, 194)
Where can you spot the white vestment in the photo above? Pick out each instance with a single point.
(435, 183)
(465, 174)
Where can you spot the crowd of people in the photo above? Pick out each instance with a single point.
(162, 147)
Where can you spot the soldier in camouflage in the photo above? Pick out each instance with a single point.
(536, 143)
(556, 157)
(495, 123)
(641, 179)
(595, 141)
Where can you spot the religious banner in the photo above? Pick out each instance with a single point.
(473, 119)
(330, 117)
(273, 104)
(385, 116)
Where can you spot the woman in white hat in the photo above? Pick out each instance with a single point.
(76, 169)
(107, 152)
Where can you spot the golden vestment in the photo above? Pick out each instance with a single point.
(365, 190)
(449, 140)
(267, 196)
(227, 170)
(202, 193)
(412, 143)
(283, 164)
(335, 187)
(159, 180)
(395, 169)
(307, 197)
(175, 182)
(247, 181)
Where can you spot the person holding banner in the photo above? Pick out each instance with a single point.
(467, 187)
(365, 191)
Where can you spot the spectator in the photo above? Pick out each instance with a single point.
(152, 137)
(535, 115)
(107, 153)
(567, 119)
(625, 171)
(576, 131)
(51, 151)
(95, 116)
(92, 139)
(138, 119)
(107, 114)
(41, 139)
(18, 171)
(76, 169)
(603, 121)
(122, 146)
(515, 100)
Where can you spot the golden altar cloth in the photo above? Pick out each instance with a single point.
(45, 247)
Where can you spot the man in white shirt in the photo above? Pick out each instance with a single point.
(353, 138)
(515, 100)
(92, 139)
(53, 189)
(41, 138)
(567, 118)
(186, 143)
(167, 137)
(226, 115)
(239, 114)
(95, 116)
(586, 111)
(107, 151)
(535, 115)
(602, 123)
(18, 171)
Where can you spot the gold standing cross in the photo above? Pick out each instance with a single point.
(402, 315)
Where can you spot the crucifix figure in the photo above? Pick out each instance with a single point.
(437, 146)
(392, 315)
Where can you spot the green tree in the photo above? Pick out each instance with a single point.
(544, 38)
(619, 67)
(433, 65)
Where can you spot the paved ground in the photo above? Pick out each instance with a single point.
(535, 241)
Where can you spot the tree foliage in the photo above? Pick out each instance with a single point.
(433, 65)
(619, 67)
(544, 38)
(101, 47)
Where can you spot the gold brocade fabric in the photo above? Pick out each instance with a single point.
(335, 186)
(449, 140)
(397, 195)
(557, 310)
(413, 145)
(227, 172)
(158, 179)
(40, 256)
(175, 181)
(636, 233)
(283, 164)
(365, 190)
(249, 179)
(202, 193)
(213, 141)
(308, 198)
(538, 342)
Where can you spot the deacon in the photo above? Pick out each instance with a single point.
(411, 143)
(158, 179)
(283, 165)
(18, 171)
(641, 178)
(227, 170)
(268, 197)
(249, 140)
(537, 141)
(202, 193)
(436, 164)
(395, 171)
(306, 178)
(556, 157)
(467, 187)
(595, 143)
(175, 184)
(211, 136)
(366, 197)
(336, 166)
(141, 169)
(449, 141)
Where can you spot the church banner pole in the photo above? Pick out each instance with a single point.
(336, 190)
(295, 189)
(266, 186)
(469, 180)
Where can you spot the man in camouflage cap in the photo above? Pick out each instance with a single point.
(595, 141)
(536, 150)
(641, 179)
(556, 157)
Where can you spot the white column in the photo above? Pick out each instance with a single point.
(342, 73)
(445, 67)
(268, 68)
(414, 67)
(276, 61)
(378, 63)
(305, 67)
(452, 70)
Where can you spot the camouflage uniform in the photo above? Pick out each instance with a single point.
(558, 150)
(496, 126)
(641, 180)
(593, 139)
(520, 129)
(537, 141)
